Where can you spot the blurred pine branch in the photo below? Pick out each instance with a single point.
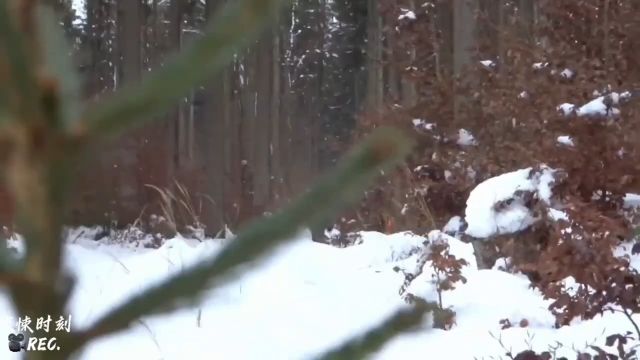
(373, 340)
(383, 149)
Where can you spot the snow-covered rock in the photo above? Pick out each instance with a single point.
(604, 106)
(498, 205)
(332, 233)
(600, 107)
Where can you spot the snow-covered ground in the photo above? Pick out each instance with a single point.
(309, 297)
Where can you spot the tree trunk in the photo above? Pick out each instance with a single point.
(276, 182)
(262, 145)
(409, 95)
(375, 81)
(126, 151)
(212, 140)
(463, 43)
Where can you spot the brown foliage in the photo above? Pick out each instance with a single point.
(574, 52)
(617, 341)
(447, 272)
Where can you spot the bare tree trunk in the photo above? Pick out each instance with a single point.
(375, 82)
(212, 141)
(288, 100)
(98, 52)
(444, 23)
(409, 95)
(463, 33)
(464, 28)
(262, 146)
(177, 130)
(248, 98)
(275, 161)
(463, 43)
(527, 18)
(391, 61)
(130, 45)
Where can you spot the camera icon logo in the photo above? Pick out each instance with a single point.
(15, 342)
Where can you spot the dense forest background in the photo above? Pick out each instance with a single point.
(256, 135)
(245, 141)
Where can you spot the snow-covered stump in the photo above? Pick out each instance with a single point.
(485, 252)
(505, 207)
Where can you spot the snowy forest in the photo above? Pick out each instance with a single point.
(321, 69)
(281, 109)
(320, 179)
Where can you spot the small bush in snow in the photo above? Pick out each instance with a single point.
(180, 214)
(446, 273)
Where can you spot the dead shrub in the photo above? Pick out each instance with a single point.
(179, 213)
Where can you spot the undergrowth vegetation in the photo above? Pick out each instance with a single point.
(559, 88)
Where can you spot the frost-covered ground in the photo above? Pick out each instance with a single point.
(308, 297)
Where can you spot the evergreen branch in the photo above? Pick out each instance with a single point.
(373, 340)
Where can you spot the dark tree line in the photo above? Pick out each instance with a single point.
(257, 134)
(245, 141)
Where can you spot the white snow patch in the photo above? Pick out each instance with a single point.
(598, 106)
(332, 234)
(567, 73)
(557, 215)
(465, 138)
(572, 286)
(421, 124)
(620, 153)
(407, 14)
(565, 140)
(453, 226)
(566, 109)
(309, 297)
(80, 9)
(602, 106)
(632, 200)
(484, 219)
(540, 65)
(488, 63)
